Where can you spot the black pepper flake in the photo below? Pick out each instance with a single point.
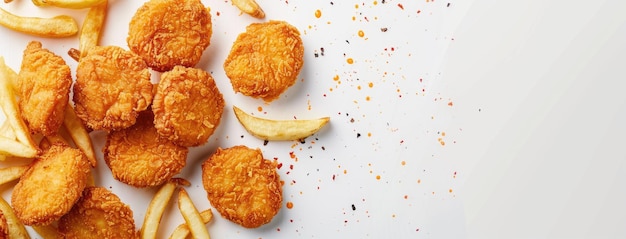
(353, 207)
(322, 50)
(384, 1)
(358, 135)
(347, 42)
(316, 55)
(448, 5)
(352, 120)
(302, 141)
(242, 136)
(383, 29)
(265, 142)
(331, 3)
(323, 148)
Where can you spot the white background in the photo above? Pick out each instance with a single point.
(528, 95)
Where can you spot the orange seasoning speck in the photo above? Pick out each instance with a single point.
(336, 78)
(403, 162)
(289, 205)
(377, 177)
(450, 191)
(259, 108)
(375, 2)
(371, 84)
(350, 60)
(318, 13)
(361, 33)
(368, 98)
(356, 6)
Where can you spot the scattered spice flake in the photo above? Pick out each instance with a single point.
(450, 103)
(367, 98)
(370, 85)
(318, 13)
(448, 5)
(369, 134)
(419, 181)
(377, 177)
(350, 61)
(450, 190)
(289, 205)
(400, 6)
(259, 108)
(383, 29)
(454, 175)
(336, 78)
(361, 33)
(353, 207)
(403, 162)
(419, 11)
(279, 165)
(358, 135)
(406, 196)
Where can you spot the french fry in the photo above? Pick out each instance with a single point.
(59, 26)
(14, 148)
(74, 4)
(192, 216)
(48, 232)
(250, 7)
(155, 210)
(9, 174)
(6, 130)
(92, 27)
(182, 231)
(16, 228)
(79, 134)
(268, 129)
(9, 106)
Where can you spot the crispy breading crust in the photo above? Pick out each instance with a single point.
(44, 84)
(112, 86)
(52, 184)
(140, 157)
(166, 33)
(99, 214)
(242, 186)
(265, 60)
(4, 227)
(187, 106)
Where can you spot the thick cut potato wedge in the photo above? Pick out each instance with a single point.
(268, 129)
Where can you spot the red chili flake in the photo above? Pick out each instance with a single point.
(278, 229)
(291, 166)
(400, 6)
(419, 11)
(218, 14)
(333, 177)
(280, 165)
(450, 104)
(393, 49)
(292, 155)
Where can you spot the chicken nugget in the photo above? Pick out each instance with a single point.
(112, 86)
(4, 226)
(166, 33)
(187, 106)
(44, 86)
(265, 60)
(242, 186)
(98, 214)
(52, 184)
(140, 157)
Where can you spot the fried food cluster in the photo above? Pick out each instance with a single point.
(242, 186)
(187, 106)
(51, 186)
(166, 33)
(112, 87)
(265, 60)
(140, 157)
(99, 214)
(44, 85)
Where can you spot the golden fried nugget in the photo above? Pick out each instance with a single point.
(140, 157)
(187, 106)
(98, 214)
(112, 87)
(44, 86)
(52, 184)
(242, 186)
(4, 226)
(265, 60)
(166, 33)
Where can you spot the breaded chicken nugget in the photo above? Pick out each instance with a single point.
(242, 186)
(187, 106)
(112, 86)
(52, 184)
(4, 226)
(166, 33)
(44, 86)
(98, 214)
(140, 157)
(265, 60)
